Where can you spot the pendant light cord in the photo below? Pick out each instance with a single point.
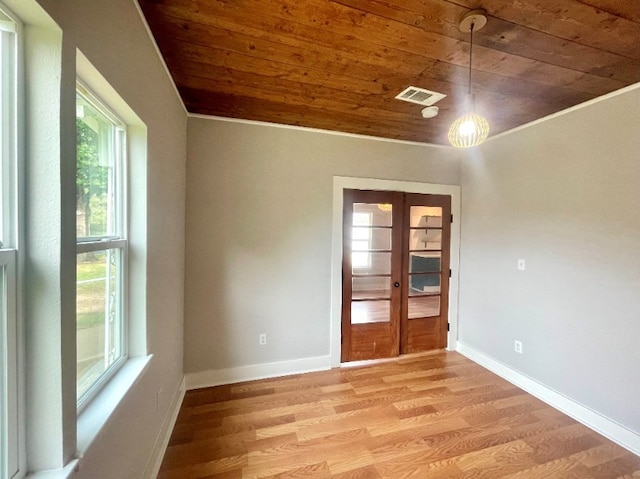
(470, 54)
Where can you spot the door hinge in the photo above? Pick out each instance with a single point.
(451, 218)
(448, 326)
(449, 272)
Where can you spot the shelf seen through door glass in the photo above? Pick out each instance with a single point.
(425, 232)
(426, 216)
(425, 240)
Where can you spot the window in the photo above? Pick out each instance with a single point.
(8, 247)
(361, 240)
(101, 322)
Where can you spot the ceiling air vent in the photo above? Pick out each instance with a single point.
(420, 96)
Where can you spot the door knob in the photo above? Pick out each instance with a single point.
(396, 284)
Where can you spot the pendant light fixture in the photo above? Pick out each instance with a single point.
(470, 129)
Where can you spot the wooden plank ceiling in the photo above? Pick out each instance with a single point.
(338, 64)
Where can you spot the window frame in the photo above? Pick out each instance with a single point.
(118, 241)
(11, 115)
(9, 416)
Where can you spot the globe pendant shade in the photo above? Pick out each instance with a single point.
(468, 130)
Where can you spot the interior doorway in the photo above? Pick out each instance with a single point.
(395, 271)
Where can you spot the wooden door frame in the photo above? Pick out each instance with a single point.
(340, 183)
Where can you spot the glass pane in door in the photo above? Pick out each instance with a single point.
(425, 228)
(424, 306)
(427, 262)
(371, 263)
(379, 214)
(426, 216)
(371, 287)
(363, 312)
(420, 284)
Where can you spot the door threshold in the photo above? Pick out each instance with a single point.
(371, 362)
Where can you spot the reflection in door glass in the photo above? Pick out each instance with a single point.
(424, 306)
(371, 287)
(363, 312)
(380, 213)
(381, 239)
(361, 240)
(377, 263)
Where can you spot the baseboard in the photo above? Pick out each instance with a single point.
(217, 377)
(162, 441)
(619, 434)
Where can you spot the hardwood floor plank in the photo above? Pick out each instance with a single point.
(369, 418)
(315, 471)
(227, 466)
(367, 472)
(602, 454)
(435, 416)
(497, 461)
(436, 422)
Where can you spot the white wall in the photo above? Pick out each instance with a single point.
(564, 195)
(259, 216)
(115, 41)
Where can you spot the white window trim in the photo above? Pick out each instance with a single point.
(92, 245)
(97, 414)
(103, 243)
(12, 331)
(9, 362)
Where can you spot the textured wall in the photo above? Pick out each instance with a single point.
(564, 195)
(115, 41)
(259, 216)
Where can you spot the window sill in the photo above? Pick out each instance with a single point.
(98, 413)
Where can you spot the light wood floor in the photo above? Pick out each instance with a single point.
(430, 416)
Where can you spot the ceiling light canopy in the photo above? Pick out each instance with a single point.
(470, 129)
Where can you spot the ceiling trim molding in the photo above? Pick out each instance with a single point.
(315, 130)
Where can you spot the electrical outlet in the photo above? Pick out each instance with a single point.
(262, 339)
(521, 264)
(517, 347)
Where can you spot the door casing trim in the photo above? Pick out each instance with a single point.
(340, 183)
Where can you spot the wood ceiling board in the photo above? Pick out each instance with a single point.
(503, 35)
(570, 20)
(309, 117)
(622, 8)
(339, 64)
